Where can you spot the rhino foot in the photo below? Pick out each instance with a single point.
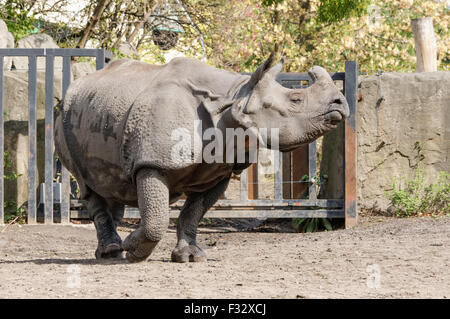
(191, 253)
(138, 249)
(113, 250)
(141, 254)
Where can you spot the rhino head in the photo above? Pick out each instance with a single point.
(301, 115)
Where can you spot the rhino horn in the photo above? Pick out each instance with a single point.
(318, 73)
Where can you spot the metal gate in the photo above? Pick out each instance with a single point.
(49, 55)
(246, 207)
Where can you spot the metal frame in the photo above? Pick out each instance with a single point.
(246, 207)
(49, 55)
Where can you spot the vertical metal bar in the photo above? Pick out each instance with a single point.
(299, 169)
(300, 166)
(312, 153)
(351, 83)
(65, 176)
(252, 172)
(278, 165)
(2, 215)
(32, 136)
(287, 175)
(49, 69)
(244, 185)
(100, 59)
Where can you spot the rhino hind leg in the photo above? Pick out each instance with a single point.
(106, 214)
(194, 209)
(153, 201)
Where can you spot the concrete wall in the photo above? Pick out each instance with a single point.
(16, 125)
(16, 129)
(403, 122)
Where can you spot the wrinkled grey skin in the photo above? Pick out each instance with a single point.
(114, 136)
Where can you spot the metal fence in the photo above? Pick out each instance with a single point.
(49, 55)
(285, 204)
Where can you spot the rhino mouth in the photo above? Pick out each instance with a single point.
(334, 117)
(290, 148)
(331, 119)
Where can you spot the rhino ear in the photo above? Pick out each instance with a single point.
(262, 69)
(276, 68)
(265, 69)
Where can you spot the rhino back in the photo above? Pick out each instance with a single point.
(122, 118)
(167, 109)
(92, 119)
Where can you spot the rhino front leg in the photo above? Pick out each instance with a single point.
(153, 200)
(194, 209)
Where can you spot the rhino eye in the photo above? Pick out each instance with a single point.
(296, 98)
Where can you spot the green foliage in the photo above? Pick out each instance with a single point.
(414, 198)
(119, 55)
(17, 18)
(7, 165)
(10, 207)
(310, 225)
(268, 3)
(12, 212)
(239, 35)
(337, 10)
(317, 179)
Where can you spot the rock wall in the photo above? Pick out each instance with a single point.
(15, 98)
(39, 40)
(6, 41)
(403, 123)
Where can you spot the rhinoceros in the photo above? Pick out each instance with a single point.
(115, 134)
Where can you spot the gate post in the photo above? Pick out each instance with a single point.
(49, 109)
(32, 137)
(1, 143)
(351, 83)
(65, 175)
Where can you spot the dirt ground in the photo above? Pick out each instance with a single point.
(380, 258)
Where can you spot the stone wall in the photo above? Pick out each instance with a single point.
(6, 41)
(15, 98)
(16, 125)
(403, 123)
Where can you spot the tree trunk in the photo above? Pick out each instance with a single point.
(147, 14)
(98, 11)
(425, 42)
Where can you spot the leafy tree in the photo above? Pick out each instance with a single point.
(16, 15)
(338, 10)
(239, 35)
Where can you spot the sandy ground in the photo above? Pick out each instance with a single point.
(381, 258)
